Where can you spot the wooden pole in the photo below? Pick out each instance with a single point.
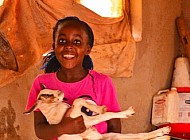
(184, 35)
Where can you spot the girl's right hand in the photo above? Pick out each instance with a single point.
(73, 125)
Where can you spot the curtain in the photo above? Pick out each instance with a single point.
(28, 27)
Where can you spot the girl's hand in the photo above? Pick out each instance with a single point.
(73, 125)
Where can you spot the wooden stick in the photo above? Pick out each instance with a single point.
(184, 35)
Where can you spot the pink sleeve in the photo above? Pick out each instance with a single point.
(109, 97)
(33, 93)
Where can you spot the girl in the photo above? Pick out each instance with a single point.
(68, 67)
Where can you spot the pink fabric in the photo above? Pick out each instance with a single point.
(99, 86)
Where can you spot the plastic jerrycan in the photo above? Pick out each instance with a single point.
(165, 107)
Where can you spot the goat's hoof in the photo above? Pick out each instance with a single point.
(162, 131)
(165, 130)
(130, 111)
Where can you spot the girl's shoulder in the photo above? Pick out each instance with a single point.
(45, 77)
(98, 75)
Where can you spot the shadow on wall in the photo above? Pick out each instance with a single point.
(7, 119)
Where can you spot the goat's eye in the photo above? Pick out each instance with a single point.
(47, 95)
(86, 111)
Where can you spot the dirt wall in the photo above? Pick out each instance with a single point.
(154, 62)
(152, 71)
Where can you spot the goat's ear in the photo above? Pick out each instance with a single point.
(32, 108)
(42, 86)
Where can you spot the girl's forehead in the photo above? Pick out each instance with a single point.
(71, 24)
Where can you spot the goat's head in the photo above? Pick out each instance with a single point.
(50, 96)
(47, 96)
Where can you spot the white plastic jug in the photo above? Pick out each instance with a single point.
(181, 74)
(165, 107)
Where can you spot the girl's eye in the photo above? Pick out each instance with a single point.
(62, 41)
(77, 42)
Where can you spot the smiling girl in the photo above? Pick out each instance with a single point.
(68, 67)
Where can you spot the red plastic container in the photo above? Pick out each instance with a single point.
(183, 89)
(180, 130)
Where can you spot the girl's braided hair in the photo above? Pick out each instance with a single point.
(50, 62)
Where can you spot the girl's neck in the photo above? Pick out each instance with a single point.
(70, 76)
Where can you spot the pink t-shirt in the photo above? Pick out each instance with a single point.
(95, 85)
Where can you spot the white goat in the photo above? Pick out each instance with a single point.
(51, 104)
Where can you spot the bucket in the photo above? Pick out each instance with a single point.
(181, 77)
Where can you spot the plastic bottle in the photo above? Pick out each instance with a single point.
(165, 107)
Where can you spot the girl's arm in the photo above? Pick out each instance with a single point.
(68, 125)
(109, 98)
(114, 125)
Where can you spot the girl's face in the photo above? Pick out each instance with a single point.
(71, 45)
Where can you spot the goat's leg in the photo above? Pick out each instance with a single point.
(78, 103)
(32, 108)
(162, 138)
(93, 120)
(139, 136)
(156, 133)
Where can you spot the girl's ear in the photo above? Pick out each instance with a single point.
(88, 50)
(53, 45)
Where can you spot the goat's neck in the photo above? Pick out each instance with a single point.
(53, 112)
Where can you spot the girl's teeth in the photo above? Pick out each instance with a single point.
(68, 56)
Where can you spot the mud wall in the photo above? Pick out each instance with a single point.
(154, 62)
(152, 71)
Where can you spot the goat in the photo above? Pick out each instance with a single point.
(51, 104)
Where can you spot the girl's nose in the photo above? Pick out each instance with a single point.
(68, 45)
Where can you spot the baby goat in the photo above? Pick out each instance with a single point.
(51, 104)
